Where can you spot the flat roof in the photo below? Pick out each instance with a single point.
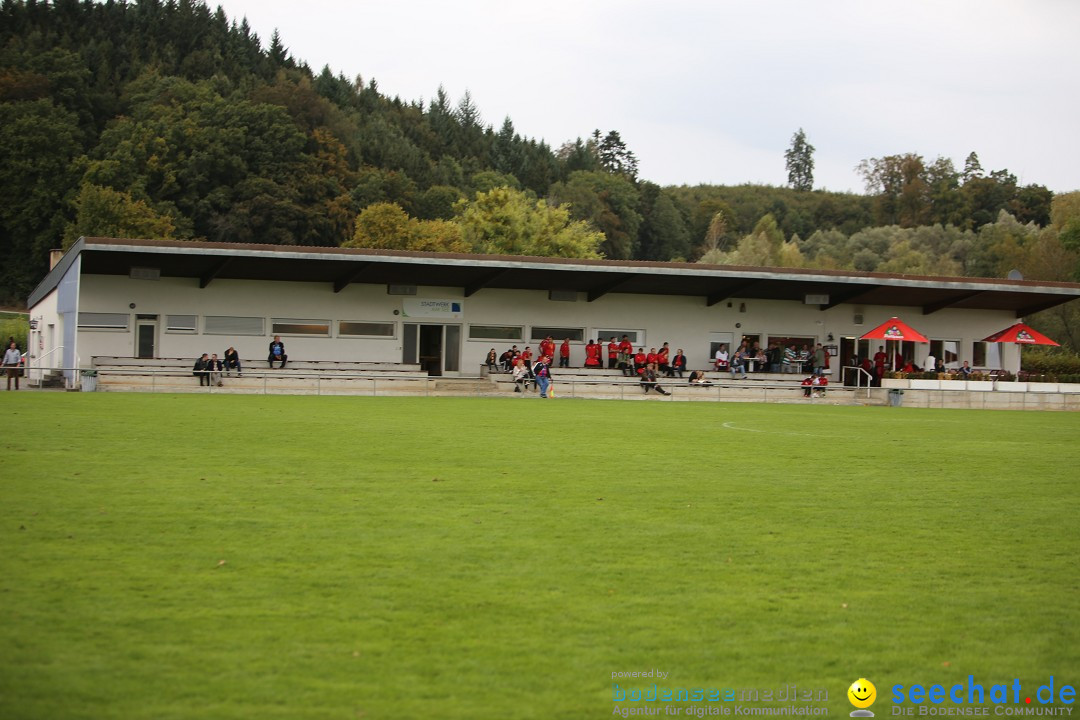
(340, 267)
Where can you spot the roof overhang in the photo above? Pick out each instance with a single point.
(339, 267)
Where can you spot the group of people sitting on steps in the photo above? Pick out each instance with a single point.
(209, 368)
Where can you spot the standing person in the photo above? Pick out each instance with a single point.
(277, 352)
(542, 373)
(564, 354)
(819, 360)
(547, 347)
(232, 362)
(879, 361)
(612, 354)
(201, 370)
(12, 358)
(662, 360)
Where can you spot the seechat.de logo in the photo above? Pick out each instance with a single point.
(862, 695)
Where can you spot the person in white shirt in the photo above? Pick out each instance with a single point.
(12, 358)
(931, 363)
(721, 359)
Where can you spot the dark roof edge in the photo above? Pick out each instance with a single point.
(54, 276)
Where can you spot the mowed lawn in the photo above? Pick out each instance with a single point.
(341, 557)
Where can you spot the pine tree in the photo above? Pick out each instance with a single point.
(800, 162)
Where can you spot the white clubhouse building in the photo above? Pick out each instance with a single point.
(175, 299)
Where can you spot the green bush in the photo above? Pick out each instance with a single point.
(1050, 361)
(16, 326)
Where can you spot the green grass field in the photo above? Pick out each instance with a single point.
(304, 557)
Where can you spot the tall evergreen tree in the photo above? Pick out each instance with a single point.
(800, 162)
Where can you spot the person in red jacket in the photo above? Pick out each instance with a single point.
(662, 360)
(564, 354)
(612, 354)
(547, 347)
(640, 361)
(592, 355)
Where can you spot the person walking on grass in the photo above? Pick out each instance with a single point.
(12, 358)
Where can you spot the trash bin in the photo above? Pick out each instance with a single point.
(896, 398)
(89, 381)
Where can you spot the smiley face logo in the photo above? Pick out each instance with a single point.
(862, 693)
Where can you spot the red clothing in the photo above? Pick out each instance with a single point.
(639, 359)
(662, 356)
(627, 347)
(564, 349)
(547, 348)
(650, 358)
(592, 355)
(612, 350)
(879, 359)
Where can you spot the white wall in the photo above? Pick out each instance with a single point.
(683, 322)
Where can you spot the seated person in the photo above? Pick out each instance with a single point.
(807, 386)
(697, 377)
(491, 360)
(521, 376)
(648, 380)
(738, 364)
(277, 352)
(232, 362)
(201, 370)
(215, 366)
(819, 385)
(677, 366)
(720, 362)
(965, 370)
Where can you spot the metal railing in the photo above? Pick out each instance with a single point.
(859, 373)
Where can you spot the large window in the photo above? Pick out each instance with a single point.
(347, 328)
(103, 321)
(228, 325)
(636, 337)
(181, 324)
(539, 332)
(496, 332)
(291, 326)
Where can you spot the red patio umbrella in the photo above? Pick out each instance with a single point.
(1020, 334)
(895, 329)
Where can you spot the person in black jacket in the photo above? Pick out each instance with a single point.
(202, 370)
(277, 352)
(232, 362)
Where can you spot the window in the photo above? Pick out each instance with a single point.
(986, 355)
(366, 329)
(103, 321)
(225, 325)
(539, 332)
(181, 323)
(948, 351)
(290, 326)
(978, 355)
(496, 332)
(636, 337)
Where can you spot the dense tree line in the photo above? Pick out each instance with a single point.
(167, 119)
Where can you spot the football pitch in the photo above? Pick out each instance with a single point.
(344, 557)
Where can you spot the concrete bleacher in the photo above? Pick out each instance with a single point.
(311, 377)
(612, 384)
(301, 377)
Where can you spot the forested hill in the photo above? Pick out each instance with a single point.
(171, 120)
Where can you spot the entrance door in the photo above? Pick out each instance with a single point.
(430, 348)
(145, 335)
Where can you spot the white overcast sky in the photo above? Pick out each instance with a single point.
(712, 91)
